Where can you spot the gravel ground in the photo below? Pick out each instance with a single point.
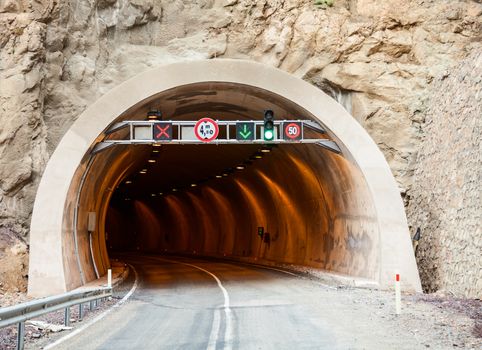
(439, 321)
(436, 322)
(9, 298)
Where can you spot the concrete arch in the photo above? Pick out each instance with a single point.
(49, 267)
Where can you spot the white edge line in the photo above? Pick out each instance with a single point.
(97, 318)
(214, 330)
(227, 309)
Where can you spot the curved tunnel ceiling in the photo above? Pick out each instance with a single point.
(175, 165)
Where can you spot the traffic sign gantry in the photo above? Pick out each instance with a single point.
(245, 131)
(206, 129)
(162, 131)
(292, 131)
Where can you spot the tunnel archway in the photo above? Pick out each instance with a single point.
(341, 213)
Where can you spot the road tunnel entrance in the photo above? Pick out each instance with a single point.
(339, 212)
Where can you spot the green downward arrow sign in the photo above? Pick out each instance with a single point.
(245, 132)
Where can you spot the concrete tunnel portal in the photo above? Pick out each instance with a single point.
(340, 213)
(210, 199)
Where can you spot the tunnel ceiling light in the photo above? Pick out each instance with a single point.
(127, 199)
(156, 145)
(219, 176)
(128, 182)
(241, 167)
(160, 193)
(265, 149)
(174, 190)
(258, 155)
(154, 114)
(225, 174)
(193, 185)
(153, 194)
(155, 151)
(151, 160)
(143, 171)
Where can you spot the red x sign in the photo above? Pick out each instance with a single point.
(162, 131)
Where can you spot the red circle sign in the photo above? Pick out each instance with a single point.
(292, 130)
(206, 129)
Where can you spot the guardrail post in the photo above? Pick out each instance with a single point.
(67, 317)
(81, 311)
(20, 335)
(91, 305)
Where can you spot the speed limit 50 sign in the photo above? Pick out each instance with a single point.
(292, 131)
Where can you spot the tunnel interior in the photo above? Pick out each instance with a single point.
(313, 204)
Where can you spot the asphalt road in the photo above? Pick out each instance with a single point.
(200, 304)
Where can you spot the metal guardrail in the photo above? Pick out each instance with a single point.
(18, 314)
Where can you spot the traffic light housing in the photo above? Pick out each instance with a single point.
(154, 114)
(260, 231)
(268, 131)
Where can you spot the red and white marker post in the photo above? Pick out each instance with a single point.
(398, 295)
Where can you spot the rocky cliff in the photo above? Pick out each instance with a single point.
(446, 194)
(380, 59)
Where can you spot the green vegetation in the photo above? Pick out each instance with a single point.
(324, 3)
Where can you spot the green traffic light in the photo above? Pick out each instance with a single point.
(268, 134)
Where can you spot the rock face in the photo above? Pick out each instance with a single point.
(447, 194)
(378, 58)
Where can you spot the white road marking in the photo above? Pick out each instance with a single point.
(214, 330)
(213, 337)
(99, 317)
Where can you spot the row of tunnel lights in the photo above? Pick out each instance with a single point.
(225, 173)
(157, 115)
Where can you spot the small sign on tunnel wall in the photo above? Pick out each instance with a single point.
(260, 231)
(91, 221)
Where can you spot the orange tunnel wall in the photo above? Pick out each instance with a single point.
(313, 204)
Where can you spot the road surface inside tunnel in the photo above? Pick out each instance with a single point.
(187, 303)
